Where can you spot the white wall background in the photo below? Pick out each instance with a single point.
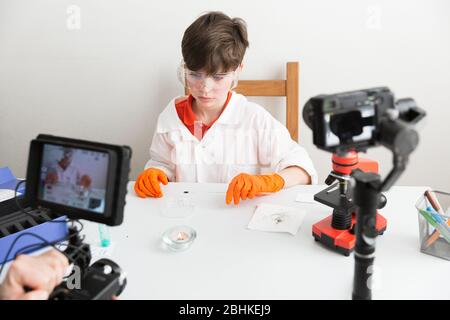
(108, 75)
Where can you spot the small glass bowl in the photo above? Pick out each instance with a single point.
(179, 238)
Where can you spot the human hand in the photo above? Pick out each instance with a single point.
(245, 186)
(51, 178)
(34, 277)
(147, 184)
(85, 181)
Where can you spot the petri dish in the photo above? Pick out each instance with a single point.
(179, 206)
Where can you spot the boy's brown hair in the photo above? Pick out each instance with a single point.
(215, 43)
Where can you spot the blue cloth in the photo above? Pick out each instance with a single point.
(51, 232)
(9, 181)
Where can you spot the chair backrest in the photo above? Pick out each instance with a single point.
(277, 88)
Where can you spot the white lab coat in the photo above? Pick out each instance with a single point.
(69, 176)
(244, 139)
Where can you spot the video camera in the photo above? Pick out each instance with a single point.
(361, 119)
(81, 180)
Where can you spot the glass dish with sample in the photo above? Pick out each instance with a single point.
(177, 205)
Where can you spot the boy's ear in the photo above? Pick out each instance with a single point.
(241, 66)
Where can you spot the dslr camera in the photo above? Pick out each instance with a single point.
(357, 120)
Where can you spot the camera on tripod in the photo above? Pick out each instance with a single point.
(81, 180)
(345, 124)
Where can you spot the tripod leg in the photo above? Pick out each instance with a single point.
(366, 196)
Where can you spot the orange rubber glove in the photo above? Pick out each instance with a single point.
(147, 184)
(245, 186)
(85, 181)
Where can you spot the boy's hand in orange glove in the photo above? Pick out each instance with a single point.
(85, 181)
(245, 186)
(147, 184)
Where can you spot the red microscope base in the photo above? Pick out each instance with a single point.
(342, 241)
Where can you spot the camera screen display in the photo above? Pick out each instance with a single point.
(74, 177)
(349, 127)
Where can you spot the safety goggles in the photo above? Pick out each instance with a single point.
(197, 80)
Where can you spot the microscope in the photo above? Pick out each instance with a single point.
(338, 230)
(345, 124)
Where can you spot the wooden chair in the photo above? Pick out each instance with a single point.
(277, 88)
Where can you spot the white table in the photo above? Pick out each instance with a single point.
(69, 195)
(228, 261)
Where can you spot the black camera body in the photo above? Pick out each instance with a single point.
(353, 120)
(81, 180)
(101, 281)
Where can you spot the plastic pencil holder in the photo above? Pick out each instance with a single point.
(434, 223)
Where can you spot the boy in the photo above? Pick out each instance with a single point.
(215, 134)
